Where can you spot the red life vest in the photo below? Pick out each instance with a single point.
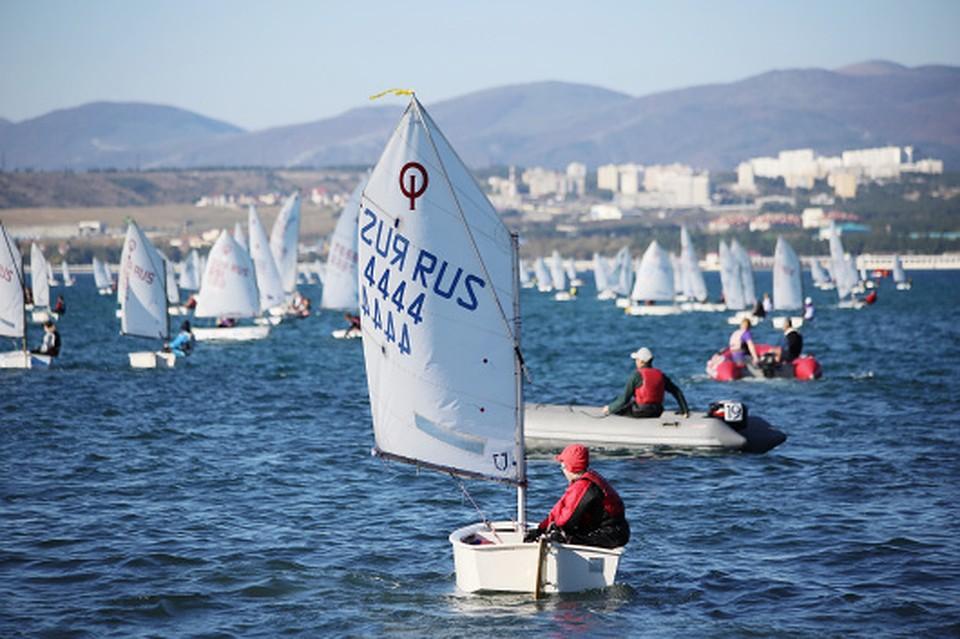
(652, 390)
(612, 504)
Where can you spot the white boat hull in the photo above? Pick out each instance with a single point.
(854, 304)
(231, 333)
(178, 310)
(778, 322)
(21, 359)
(501, 562)
(655, 309)
(563, 296)
(703, 307)
(904, 286)
(152, 359)
(268, 320)
(39, 317)
(346, 333)
(742, 315)
(606, 295)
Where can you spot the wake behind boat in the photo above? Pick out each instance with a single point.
(552, 426)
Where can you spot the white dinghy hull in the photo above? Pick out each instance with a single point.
(21, 359)
(642, 310)
(231, 333)
(501, 562)
(550, 427)
(346, 333)
(152, 359)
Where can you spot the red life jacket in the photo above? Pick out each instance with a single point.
(612, 504)
(652, 390)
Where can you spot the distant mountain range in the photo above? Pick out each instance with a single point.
(545, 123)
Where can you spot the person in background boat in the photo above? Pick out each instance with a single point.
(759, 310)
(590, 512)
(60, 307)
(300, 305)
(226, 322)
(871, 297)
(51, 340)
(191, 302)
(27, 296)
(808, 311)
(182, 344)
(354, 321)
(741, 344)
(767, 303)
(791, 345)
(643, 395)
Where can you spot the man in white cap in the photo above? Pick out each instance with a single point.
(643, 395)
(808, 311)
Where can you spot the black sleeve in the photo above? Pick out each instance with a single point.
(589, 510)
(674, 390)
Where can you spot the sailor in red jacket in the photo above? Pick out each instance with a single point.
(590, 512)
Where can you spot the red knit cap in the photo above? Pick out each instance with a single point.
(576, 457)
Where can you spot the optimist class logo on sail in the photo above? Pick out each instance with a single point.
(398, 287)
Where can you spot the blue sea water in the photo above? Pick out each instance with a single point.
(235, 496)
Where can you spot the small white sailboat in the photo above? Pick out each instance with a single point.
(899, 276)
(101, 278)
(340, 274)
(228, 291)
(269, 284)
(654, 284)
(787, 283)
(173, 291)
(68, 280)
(451, 313)
(40, 286)
(844, 273)
(623, 277)
(558, 275)
(694, 287)
(526, 280)
(571, 268)
(13, 317)
(603, 272)
(143, 297)
(542, 275)
(284, 242)
(239, 236)
(821, 279)
(746, 273)
(190, 272)
(732, 280)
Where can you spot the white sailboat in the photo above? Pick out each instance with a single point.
(101, 277)
(441, 348)
(694, 286)
(654, 284)
(623, 277)
(558, 275)
(173, 291)
(340, 274)
(190, 272)
(571, 268)
(899, 276)
(603, 273)
(787, 283)
(228, 290)
(284, 240)
(526, 280)
(542, 274)
(240, 237)
(821, 279)
(746, 273)
(68, 280)
(143, 297)
(13, 317)
(40, 286)
(844, 273)
(269, 284)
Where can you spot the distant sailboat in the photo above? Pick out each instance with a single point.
(40, 286)
(558, 275)
(239, 236)
(229, 291)
(190, 272)
(68, 280)
(821, 279)
(694, 286)
(143, 297)
(101, 277)
(787, 283)
(844, 272)
(13, 318)
(654, 284)
(899, 276)
(340, 273)
(542, 273)
(458, 327)
(269, 284)
(284, 241)
(746, 273)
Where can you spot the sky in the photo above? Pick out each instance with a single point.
(279, 62)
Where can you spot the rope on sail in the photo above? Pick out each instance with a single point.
(483, 516)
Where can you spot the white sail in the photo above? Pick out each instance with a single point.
(268, 277)
(694, 286)
(340, 274)
(39, 278)
(173, 291)
(100, 276)
(12, 323)
(229, 286)
(558, 275)
(240, 238)
(730, 279)
(654, 277)
(437, 293)
(624, 272)
(65, 272)
(542, 273)
(845, 278)
(571, 270)
(677, 273)
(525, 279)
(284, 238)
(787, 278)
(190, 272)
(899, 276)
(820, 276)
(601, 273)
(746, 273)
(143, 298)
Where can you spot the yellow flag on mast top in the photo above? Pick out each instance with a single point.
(392, 92)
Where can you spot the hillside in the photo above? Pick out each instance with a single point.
(715, 126)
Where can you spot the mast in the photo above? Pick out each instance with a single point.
(518, 375)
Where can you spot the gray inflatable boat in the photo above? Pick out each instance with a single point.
(727, 426)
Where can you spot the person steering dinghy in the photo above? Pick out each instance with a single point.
(643, 395)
